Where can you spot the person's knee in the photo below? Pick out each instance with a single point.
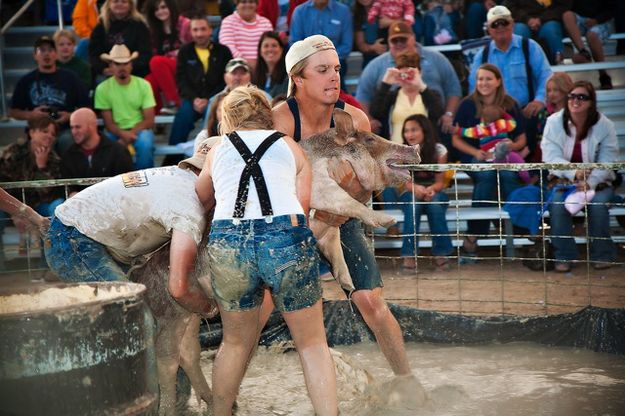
(371, 306)
(145, 140)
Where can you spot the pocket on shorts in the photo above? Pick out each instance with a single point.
(292, 249)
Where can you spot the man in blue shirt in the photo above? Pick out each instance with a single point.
(329, 18)
(506, 52)
(436, 71)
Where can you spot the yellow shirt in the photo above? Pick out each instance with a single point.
(401, 111)
(203, 54)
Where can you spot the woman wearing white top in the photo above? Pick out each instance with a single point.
(259, 182)
(580, 134)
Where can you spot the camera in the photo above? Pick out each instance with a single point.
(53, 112)
(403, 75)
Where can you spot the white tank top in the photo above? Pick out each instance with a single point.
(279, 170)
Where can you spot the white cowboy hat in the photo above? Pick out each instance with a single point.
(120, 54)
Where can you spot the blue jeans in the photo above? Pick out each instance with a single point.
(474, 18)
(184, 122)
(485, 190)
(75, 257)
(550, 31)
(435, 212)
(245, 258)
(602, 248)
(144, 148)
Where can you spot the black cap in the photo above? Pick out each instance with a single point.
(45, 40)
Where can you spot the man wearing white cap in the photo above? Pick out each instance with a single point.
(525, 81)
(127, 106)
(97, 234)
(313, 68)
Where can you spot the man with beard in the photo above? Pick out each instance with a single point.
(127, 106)
(91, 156)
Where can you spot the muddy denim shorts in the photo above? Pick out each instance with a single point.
(358, 253)
(75, 257)
(248, 256)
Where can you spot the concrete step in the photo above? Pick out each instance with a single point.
(18, 57)
(26, 35)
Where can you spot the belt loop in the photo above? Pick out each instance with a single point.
(294, 221)
(236, 221)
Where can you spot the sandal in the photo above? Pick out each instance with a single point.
(441, 264)
(469, 251)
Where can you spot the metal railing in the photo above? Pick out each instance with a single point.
(497, 283)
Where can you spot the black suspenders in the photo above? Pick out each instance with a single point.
(252, 169)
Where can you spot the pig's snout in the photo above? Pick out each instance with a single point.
(396, 156)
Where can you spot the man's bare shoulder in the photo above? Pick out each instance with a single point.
(361, 121)
(283, 119)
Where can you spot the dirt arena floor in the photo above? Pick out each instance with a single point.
(488, 287)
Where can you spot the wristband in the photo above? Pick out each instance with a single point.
(449, 113)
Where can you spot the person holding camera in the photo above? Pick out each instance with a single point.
(49, 91)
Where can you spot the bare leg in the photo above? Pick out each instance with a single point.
(596, 48)
(308, 332)
(570, 24)
(385, 327)
(240, 331)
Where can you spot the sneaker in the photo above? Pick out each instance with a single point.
(582, 57)
(606, 81)
(601, 265)
(168, 111)
(562, 267)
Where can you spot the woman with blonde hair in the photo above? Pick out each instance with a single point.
(259, 182)
(120, 22)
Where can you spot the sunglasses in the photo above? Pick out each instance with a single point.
(398, 41)
(579, 97)
(500, 23)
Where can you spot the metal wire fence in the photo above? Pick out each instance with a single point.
(494, 281)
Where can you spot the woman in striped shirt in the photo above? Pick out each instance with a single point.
(241, 31)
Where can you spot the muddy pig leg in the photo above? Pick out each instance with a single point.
(168, 344)
(327, 195)
(329, 243)
(190, 359)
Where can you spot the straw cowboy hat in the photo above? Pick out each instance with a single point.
(119, 54)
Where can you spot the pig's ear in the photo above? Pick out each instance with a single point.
(344, 126)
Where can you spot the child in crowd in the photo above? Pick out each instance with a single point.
(440, 18)
(393, 10)
(492, 132)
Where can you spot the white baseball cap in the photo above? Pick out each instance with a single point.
(302, 49)
(497, 13)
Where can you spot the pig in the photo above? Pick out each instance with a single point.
(372, 158)
(177, 341)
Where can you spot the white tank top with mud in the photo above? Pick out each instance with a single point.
(279, 170)
(134, 213)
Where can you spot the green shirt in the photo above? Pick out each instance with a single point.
(126, 102)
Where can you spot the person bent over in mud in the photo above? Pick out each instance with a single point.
(99, 233)
(259, 182)
(313, 68)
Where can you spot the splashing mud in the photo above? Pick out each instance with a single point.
(512, 380)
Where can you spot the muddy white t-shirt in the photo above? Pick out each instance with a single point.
(135, 213)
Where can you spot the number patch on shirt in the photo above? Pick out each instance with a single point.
(134, 179)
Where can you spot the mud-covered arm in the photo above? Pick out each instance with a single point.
(204, 186)
(22, 213)
(182, 255)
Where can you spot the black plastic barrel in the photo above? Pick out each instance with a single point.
(92, 355)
